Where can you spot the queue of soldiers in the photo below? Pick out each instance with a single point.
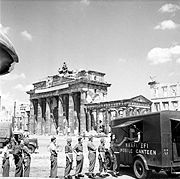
(78, 150)
(22, 158)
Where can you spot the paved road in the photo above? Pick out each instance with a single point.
(40, 164)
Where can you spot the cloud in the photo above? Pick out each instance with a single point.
(4, 30)
(171, 74)
(85, 2)
(167, 24)
(26, 35)
(13, 76)
(122, 60)
(163, 55)
(21, 87)
(178, 60)
(170, 8)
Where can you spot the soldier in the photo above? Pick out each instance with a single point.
(27, 158)
(53, 158)
(91, 156)
(78, 150)
(113, 147)
(101, 157)
(69, 158)
(17, 154)
(5, 161)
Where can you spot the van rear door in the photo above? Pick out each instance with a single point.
(175, 131)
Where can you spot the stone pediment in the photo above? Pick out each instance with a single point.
(141, 98)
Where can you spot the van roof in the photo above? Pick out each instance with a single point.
(141, 115)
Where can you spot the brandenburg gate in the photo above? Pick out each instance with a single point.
(74, 102)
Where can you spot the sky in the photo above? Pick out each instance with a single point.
(129, 41)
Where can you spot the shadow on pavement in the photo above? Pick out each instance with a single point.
(128, 171)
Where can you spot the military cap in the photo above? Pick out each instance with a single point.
(53, 138)
(102, 140)
(90, 137)
(69, 140)
(79, 138)
(26, 141)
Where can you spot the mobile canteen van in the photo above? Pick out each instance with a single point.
(158, 147)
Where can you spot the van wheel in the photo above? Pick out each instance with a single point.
(31, 148)
(139, 169)
(109, 163)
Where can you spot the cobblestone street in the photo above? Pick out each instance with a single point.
(40, 163)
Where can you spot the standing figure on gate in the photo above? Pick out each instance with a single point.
(27, 158)
(17, 154)
(5, 159)
(53, 158)
(69, 159)
(92, 156)
(78, 150)
(101, 157)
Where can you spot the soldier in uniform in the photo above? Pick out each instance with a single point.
(27, 158)
(101, 157)
(69, 158)
(78, 150)
(5, 161)
(17, 154)
(91, 156)
(53, 158)
(113, 146)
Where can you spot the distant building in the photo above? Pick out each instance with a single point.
(75, 102)
(101, 113)
(5, 115)
(21, 117)
(165, 96)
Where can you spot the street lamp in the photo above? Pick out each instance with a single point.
(8, 56)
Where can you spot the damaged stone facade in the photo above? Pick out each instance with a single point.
(58, 102)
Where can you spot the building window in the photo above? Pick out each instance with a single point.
(157, 106)
(173, 90)
(165, 91)
(155, 92)
(165, 106)
(175, 105)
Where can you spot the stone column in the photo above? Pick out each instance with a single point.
(39, 117)
(82, 113)
(77, 112)
(61, 115)
(43, 107)
(97, 119)
(106, 115)
(32, 118)
(48, 118)
(105, 121)
(124, 112)
(89, 120)
(53, 115)
(71, 113)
